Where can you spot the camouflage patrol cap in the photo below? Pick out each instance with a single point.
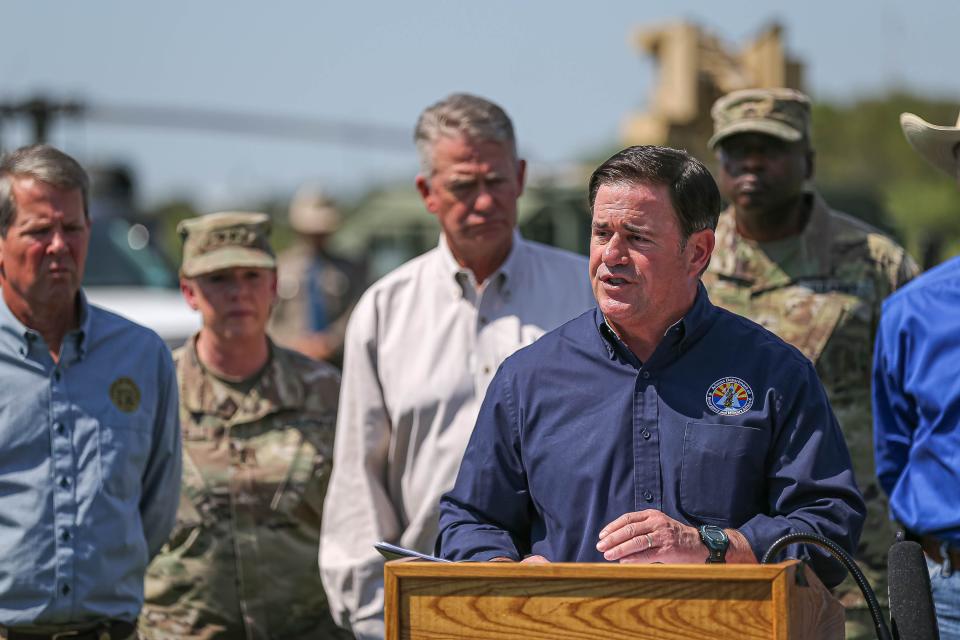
(781, 113)
(223, 240)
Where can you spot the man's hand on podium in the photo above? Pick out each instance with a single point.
(652, 536)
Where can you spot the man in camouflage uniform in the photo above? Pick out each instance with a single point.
(258, 425)
(814, 276)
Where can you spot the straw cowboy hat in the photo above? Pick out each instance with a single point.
(312, 211)
(938, 145)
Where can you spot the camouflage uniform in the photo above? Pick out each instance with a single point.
(821, 291)
(242, 561)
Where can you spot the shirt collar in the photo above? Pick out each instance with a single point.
(19, 338)
(83, 331)
(459, 276)
(731, 263)
(14, 335)
(201, 393)
(676, 338)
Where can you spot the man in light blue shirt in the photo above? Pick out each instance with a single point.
(89, 432)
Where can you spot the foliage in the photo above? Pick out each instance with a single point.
(866, 166)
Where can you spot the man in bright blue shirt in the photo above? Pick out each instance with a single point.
(916, 399)
(89, 433)
(657, 427)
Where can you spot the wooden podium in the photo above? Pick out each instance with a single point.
(573, 601)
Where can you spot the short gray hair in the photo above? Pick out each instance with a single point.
(45, 164)
(461, 114)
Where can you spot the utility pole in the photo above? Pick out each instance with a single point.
(40, 112)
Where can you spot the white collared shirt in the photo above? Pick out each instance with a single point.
(422, 345)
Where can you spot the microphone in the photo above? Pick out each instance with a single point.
(912, 614)
(835, 550)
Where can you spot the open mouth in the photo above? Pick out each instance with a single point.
(749, 186)
(614, 281)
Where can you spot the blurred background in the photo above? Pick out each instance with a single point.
(183, 108)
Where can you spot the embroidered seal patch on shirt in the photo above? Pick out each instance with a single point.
(730, 396)
(125, 394)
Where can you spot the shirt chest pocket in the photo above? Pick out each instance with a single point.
(124, 449)
(722, 477)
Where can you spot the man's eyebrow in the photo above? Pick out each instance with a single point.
(632, 228)
(601, 225)
(31, 223)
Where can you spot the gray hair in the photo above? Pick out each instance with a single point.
(44, 164)
(461, 114)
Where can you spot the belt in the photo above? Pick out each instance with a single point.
(109, 630)
(935, 548)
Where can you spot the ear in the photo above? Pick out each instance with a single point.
(189, 293)
(521, 174)
(273, 284)
(699, 249)
(426, 193)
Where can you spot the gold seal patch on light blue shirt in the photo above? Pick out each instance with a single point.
(125, 394)
(730, 396)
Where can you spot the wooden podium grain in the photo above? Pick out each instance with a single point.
(500, 600)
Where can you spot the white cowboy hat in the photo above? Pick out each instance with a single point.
(937, 145)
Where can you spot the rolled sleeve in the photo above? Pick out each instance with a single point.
(894, 415)
(486, 515)
(160, 496)
(358, 511)
(811, 483)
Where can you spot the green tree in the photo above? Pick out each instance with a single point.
(866, 167)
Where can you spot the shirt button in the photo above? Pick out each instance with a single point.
(486, 370)
(645, 375)
(484, 320)
(64, 535)
(65, 589)
(64, 482)
(645, 434)
(648, 496)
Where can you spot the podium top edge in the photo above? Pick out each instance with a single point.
(588, 570)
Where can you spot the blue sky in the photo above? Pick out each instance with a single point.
(565, 71)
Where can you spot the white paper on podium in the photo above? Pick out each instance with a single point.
(393, 552)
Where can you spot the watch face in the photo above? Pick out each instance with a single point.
(714, 538)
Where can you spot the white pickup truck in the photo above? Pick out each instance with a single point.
(127, 275)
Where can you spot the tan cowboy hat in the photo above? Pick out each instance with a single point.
(312, 211)
(938, 145)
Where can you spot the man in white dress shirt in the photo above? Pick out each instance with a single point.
(423, 344)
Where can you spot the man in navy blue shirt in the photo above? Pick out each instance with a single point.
(916, 400)
(656, 427)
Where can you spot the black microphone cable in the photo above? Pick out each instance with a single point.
(883, 633)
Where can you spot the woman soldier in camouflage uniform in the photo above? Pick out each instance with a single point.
(258, 426)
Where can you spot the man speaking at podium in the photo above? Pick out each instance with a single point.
(655, 427)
